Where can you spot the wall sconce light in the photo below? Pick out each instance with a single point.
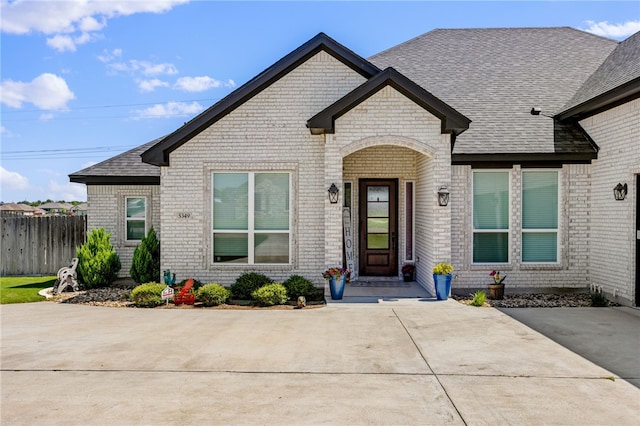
(620, 192)
(333, 193)
(443, 196)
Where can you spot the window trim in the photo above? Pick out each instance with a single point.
(509, 229)
(127, 219)
(250, 231)
(540, 230)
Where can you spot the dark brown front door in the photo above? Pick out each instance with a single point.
(378, 226)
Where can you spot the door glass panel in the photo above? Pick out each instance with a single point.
(378, 241)
(378, 225)
(378, 217)
(378, 209)
(378, 193)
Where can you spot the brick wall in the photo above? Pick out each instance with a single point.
(267, 132)
(390, 136)
(613, 251)
(572, 269)
(106, 209)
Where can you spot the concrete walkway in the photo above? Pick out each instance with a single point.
(399, 362)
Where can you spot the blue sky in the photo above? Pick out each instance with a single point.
(82, 81)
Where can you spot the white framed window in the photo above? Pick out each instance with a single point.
(491, 216)
(135, 218)
(251, 217)
(540, 200)
(409, 220)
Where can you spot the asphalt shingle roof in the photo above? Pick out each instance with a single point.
(123, 168)
(495, 76)
(621, 67)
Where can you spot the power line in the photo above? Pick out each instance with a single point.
(105, 106)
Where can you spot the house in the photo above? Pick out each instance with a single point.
(17, 209)
(492, 149)
(56, 209)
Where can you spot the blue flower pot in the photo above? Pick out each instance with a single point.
(443, 285)
(337, 287)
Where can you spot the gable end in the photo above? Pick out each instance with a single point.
(159, 154)
(452, 121)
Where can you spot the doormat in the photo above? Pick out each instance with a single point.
(399, 284)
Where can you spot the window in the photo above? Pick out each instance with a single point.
(136, 218)
(540, 216)
(408, 228)
(251, 220)
(490, 217)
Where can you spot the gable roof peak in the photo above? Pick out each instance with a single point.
(159, 154)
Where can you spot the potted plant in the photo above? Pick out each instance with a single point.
(496, 290)
(337, 277)
(408, 269)
(442, 280)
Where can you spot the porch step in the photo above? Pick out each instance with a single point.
(378, 291)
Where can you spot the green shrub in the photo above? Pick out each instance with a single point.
(297, 285)
(145, 265)
(148, 295)
(270, 294)
(598, 299)
(98, 262)
(212, 294)
(247, 283)
(479, 298)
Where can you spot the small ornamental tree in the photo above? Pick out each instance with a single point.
(98, 262)
(145, 265)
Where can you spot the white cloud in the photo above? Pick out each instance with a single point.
(151, 85)
(71, 17)
(618, 31)
(63, 43)
(110, 56)
(46, 117)
(200, 84)
(144, 67)
(170, 109)
(47, 91)
(12, 180)
(66, 191)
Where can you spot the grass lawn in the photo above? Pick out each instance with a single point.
(23, 289)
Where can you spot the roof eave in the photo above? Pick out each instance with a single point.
(498, 160)
(115, 180)
(621, 94)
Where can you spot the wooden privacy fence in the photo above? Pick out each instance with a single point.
(40, 245)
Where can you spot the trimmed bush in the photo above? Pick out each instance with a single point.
(145, 265)
(297, 285)
(247, 283)
(212, 294)
(148, 295)
(98, 262)
(270, 294)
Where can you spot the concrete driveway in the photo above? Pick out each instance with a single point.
(404, 362)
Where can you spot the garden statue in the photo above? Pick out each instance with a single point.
(169, 279)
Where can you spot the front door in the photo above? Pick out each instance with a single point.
(378, 227)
